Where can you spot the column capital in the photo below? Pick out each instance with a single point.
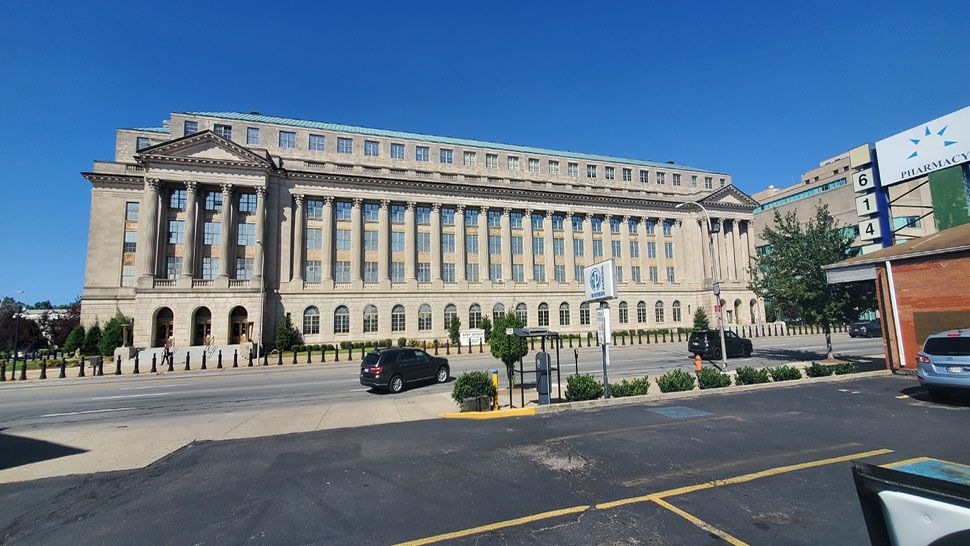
(528, 212)
(328, 200)
(261, 191)
(626, 219)
(607, 216)
(569, 215)
(549, 214)
(435, 207)
(153, 184)
(411, 205)
(299, 199)
(385, 204)
(506, 211)
(589, 216)
(484, 209)
(227, 188)
(460, 208)
(191, 186)
(357, 202)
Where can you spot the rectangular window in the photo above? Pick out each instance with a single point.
(516, 245)
(471, 244)
(558, 247)
(539, 273)
(641, 313)
(653, 273)
(424, 242)
(246, 235)
(342, 272)
(423, 216)
(177, 200)
(371, 212)
(580, 273)
(644, 176)
(676, 179)
(345, 145)
(397, 214)
(211, 233)
(553, 167)
(314, 209)
(421, 153)
(597, 225)
(397, 271)
(669, 250)
(471, 217)
(288, 139)
(627, 175)
(131, 241)
(533, 165)
(635, 273)
(494, 272)
(316, 143)
(650, 227)
(448, 273)
(424, 272)
(515, 220)
(142, 142)
(619, 274)
(668, 228)
(252, 136)
(225, 131)
(247, 202)
(518, 273)
(371, 240)
(577, 222)
(597, 248)
(176, 232)
(494, 219)
(210, 268)
(397, 241)
(560, 273)
(244, 268)
(537, 219)
(494, 245)
(173, 267)
(670, 274)
(448, 216)
(213, 201)
(471, 272)
(538, 246)
(190, 127)
(513, 163)
(397, 150)
(446, 156)
(660, 178)
(609, 173)
(314, 239)
(572, 169)
(578, 249)
(590, 171)
(131, 211)
(633, 225)
(372, 148)
(615, 247)
(584, 315)
(491, 161)
(343, 239)
(469, 159)
(312, 274)
(447, 242)
(722, 182)
(693, 180)
(634, 249)
(557, 221)
(614, 224)
(708, 183)
(651, 249)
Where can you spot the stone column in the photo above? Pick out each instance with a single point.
(188, 249)
(410, 246)
(549, 254)
(299, 241)
(739, 258)
(356, 236)
(483, 244)
(568, 248)
(705, 246)
(588, 239)
(225, 248)
(658, 232)
(148, 228)
(627, 259)
(436, 243)
(326, 272)
(680, 264)
(528, 259)
(719, 246)
(460, 256)
(383, 242)
(608, 237)
(749, 241)
(644, 259)
(507, 244)
(260, 235)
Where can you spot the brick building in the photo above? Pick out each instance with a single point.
(921, 286)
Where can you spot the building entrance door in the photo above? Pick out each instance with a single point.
(239, 326)
(202, 326)
(164, 323)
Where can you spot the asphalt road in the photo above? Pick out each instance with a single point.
(120, 399)
(637, 474)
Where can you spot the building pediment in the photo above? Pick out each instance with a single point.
(204, 148)
(729, 197)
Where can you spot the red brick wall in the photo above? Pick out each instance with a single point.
(934, 283)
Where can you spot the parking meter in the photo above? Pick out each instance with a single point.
(543, 379)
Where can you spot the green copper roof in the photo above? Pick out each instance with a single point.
(259, 118)
(149, 129)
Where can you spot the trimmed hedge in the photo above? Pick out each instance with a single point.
(633, 387)
(746, 375)
(583, 387)
(675, 381)
(784, 373)
(818, 370)
(709, 378)
(844, 368)
(471, 385)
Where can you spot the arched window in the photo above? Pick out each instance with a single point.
(624, 313)
(424, 317)
(543, 314)
(341, 320)
(475, 316)
(397, 318)
(584, 314)
(642, 312)
(451, 312)
(676, 311)
(658, 311)
(497, 311)
(522, 313)
(311, 320)
(564, 314)
(370, 319)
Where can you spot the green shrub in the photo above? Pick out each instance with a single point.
(784, 373)
(633, 387)
(818, 370)
(471, 385)
(74, 340)
(583, 387)
(91, 340)
(844, 368)
(402, 341)
(709, 378)
(675, 381)
(286, 335)
(746, 375)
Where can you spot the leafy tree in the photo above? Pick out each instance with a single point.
(701, 322)
(46, 304)
(791, 277)
(27, 332)
(75, 339)
(286, 335)
(112, 336)
(91, 340)
(487, 326)
(58, 326)
(507, 348)
(454, 330)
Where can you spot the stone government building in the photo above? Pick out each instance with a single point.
(220, 223)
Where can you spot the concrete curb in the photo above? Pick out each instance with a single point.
(500, 414)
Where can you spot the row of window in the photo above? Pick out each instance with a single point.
(213, 201)
(210, 268)
(446, 156)
(425, 322)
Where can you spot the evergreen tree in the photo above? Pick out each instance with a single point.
(487, 326)
(75, 340)
(508, 348)
(112, 336)
(286, 335)
(454, 330)
(701, 322)
(91, 339)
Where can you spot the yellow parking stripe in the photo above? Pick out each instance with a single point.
(906, 461)
(701, 523)
(496, 525)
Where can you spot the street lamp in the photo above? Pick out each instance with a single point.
(16, 332)
(715, 287)
(262, 298)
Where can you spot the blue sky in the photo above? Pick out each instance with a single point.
(761, 90)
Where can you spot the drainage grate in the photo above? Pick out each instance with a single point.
(680, 412)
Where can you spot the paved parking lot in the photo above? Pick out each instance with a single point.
(761, 467)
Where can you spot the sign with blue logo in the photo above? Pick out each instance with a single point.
(600, 281)
(931, 146)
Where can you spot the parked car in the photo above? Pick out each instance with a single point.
(944, 362)
(707, 344)
(394, 368)
(868, 328)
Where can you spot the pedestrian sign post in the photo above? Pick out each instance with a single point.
(601, 287)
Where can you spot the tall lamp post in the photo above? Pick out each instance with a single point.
(715, 266)
(16, 332)
(262, 299)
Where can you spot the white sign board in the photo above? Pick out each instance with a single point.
(866, 205)
(862, 180)
(604, 332)
(869, 229)
(600, 281)
(931, 146)
(473, 335)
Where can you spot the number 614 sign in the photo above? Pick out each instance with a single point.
(862, 180)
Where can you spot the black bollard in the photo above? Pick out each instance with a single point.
(136, 371)
(187, 367)
(323, 355)
(576, 357)
(154, 363)
(448, 347)
(350, 352)
(80, 372)
(336, 353)
(265, 357)
(101, 366)
(235, 358)
(623, 338)
(203, 360)
(23, 370)
(43, 368)
(117, 366)
(171, 362)
(597, 340)
(3, 370)
(63, 373)
(294, 356)
(479, 346)
(250, 354)
(279, 357)
(425, 347)
(459, 346)
(436, 347)
(219, 360)
(309, 355)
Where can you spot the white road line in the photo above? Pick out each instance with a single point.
(148, 387)
(83, 412)
(131, 396)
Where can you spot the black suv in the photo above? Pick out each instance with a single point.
(391, 369)
(870, 328)
(707, 343)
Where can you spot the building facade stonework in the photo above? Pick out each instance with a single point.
(213, 227)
